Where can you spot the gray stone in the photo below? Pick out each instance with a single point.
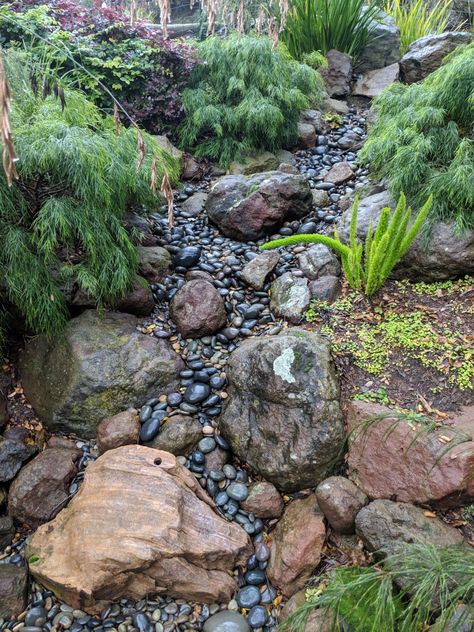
(7, 531)
(226, 621)
(155, 261)
(340, 501)
(286, 157)
(372, 83)
(249, 207)
(12, 455)
(447, 254)
(320, 198)
(461, 621)
(101, 366)
(318, 261)
(290, 297)
(383, 47)
(338, 74)
(334, 106)
(255, 272)
(197, 309)
(325, 289)
(266, 161)
(426, 54)
(167, 145)
(13, 584)
(195, 204)
(384, 526)
(306, 135)
(178, 435)
(315, 118)
(282, 415)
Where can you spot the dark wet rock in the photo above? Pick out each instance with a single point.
(196, 393)
(290, 297)
(13, 585)
(178, 435)
(118, 430)
(248, 597)
(284, 393)
(255, 272)
(384, 525)
(448, 253)
(101, 366)
(426, 54)
(41, 489)
(187, 257)
(325, 289)
(197, 309)
(297, 543)
(318, 261)
(154, 262)
(340, 501)
(249, 207)
(7, 531)
(383, 47)
(257, 617)
(12, 456)
(338, 74)
(226, 621)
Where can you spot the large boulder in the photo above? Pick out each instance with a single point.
(426, 54)
(297, 543)
(197, 309)
(40, 490)
(447, 254)
(338, 74)
(373, 82)
(392, 458)
(249, 207)
(383, 47)
(145, 526)
(384, 526)
(282, 415)
(101, 366)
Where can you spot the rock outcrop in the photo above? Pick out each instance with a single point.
(139, 525)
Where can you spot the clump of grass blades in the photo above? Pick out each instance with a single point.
(417, 18)
(415, 587)
(245, 97)
(366, 267)
(422, 141)
(61, 221)
(322, 25)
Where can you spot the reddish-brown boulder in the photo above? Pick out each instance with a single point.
(340, 501)
(197, 309)
(145, 526)
(13, 584)
(297, 543)
(396, 459)
(339, 173)
(40, 490)
(114, 432)
(264, 500)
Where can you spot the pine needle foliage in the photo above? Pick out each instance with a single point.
(367, 266)
(416, 586)
(322, 25)
(61, 222)
(423, 140)
(245, 97)
(418, 18)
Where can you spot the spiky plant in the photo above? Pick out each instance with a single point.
(423, 140)
(366, 267)
(417, 586)
(245, 97)
(61, 222)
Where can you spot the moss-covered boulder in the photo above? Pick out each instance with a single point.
(101, 366)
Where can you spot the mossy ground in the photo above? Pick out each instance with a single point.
(412, 345)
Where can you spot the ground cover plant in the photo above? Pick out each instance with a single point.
(61, 221)
(97, 47)
(417, 18)
(418, 585)
(322, 25)
(422, 141)
(245, 97)
(367, 266)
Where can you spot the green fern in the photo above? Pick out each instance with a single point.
(61, 223)
(422, 142)
(245, 97)
(367, 267)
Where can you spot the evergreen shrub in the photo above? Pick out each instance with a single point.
(423, 140)
(244, 97)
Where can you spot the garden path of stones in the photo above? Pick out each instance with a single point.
(199, 251)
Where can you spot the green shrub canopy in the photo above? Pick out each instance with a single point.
(423, 140)
(61, 222)
(245, 97)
